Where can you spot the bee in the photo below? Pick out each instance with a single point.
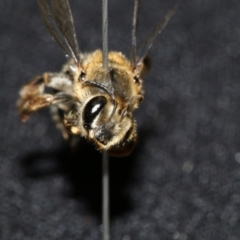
(86, 99)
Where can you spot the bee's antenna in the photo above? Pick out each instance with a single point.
(105, 171)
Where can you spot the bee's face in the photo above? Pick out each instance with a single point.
(105, 124)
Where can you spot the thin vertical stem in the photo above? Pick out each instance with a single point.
(105, 206)
(105, 33)
(105, 173)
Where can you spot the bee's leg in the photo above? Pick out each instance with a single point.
(65, 115)
(57, 116)
(33, 95)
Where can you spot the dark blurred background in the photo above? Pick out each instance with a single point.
(183, 179)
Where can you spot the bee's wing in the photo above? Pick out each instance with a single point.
(59, 23)
(146, 45)
(134, 27)
(63, 15)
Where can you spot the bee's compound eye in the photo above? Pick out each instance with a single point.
(92, 109)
